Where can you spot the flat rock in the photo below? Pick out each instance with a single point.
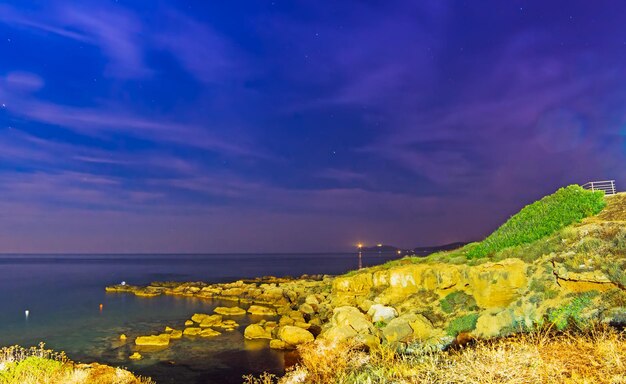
(232, 311)
(261, 310)
(161, 340)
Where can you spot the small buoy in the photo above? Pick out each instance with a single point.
(123, 337)
(26, 313)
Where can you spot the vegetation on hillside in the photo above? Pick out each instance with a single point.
(37, 365)
(540, 219)
(595, 356)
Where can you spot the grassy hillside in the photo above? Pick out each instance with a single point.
(540, 219)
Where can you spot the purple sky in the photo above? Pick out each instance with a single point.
(195, 126)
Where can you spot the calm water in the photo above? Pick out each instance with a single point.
(63, 294)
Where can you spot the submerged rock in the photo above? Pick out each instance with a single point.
(161, 340)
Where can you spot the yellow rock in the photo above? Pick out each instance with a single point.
(294, 335)
(210, 321)
(491, 322)
(176, 334)
(161, 340)
(192, 331)
(358, 284)
(255, 331)
(198, 317)
(233, 311)
(261, 310)
(123, 337)
(135, 356)
(189, 323)
(496, 285)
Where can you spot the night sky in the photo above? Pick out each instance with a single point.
(289, 126)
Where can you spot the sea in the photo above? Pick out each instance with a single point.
(60, 300)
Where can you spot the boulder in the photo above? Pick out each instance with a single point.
(210, 321)
(311, 300)
(306, 309)
(192, 331)
(379, 312)
(352, 317)
(423, 329)
(188, 323)
(255, 331)
(232, 311)
(198, 317)
(135, 356)
(176, 334)
(294, 335)
(492, 322)
(399, 329)
(161, 340)
(261, 310)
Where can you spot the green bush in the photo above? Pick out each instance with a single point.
(458, 300)
(462, 324)
(31, 367)
(570, 313)
(540, 219)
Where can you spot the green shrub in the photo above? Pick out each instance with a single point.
(540, 219)
(570, 313)
(462, 324)
(31, 367)
(458, 300)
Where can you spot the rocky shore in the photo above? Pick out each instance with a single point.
(574, 277)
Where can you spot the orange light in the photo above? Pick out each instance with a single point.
(101, 306)
(379, 245)
(399, 251)
(359, 245)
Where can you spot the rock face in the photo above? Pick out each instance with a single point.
(162, 340)
(294, 335)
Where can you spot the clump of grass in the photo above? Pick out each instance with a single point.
(540, 219)
(462, 324)
(594, 356)
(37, 365)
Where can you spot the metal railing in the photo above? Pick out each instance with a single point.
(607, 186)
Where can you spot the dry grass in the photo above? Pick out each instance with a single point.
(38, 365)
(598, 356)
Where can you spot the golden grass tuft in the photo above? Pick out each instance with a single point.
(597, 356)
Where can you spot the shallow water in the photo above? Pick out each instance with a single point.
(63, 292)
